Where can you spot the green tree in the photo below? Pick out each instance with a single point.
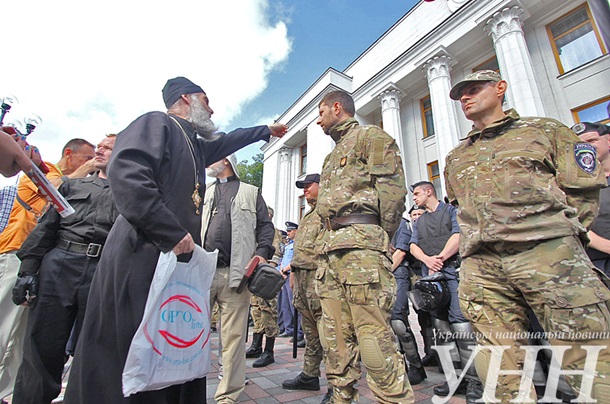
(251, 173)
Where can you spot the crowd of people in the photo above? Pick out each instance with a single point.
(520, 243)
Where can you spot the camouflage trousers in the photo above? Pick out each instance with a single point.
(264, 316)
(215, 315)
(357, 292)
(502, 281)
(307, 303)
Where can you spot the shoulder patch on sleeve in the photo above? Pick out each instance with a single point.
(585, 156)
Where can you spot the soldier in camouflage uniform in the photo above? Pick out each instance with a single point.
(303, 266)
(264, 312)
(527, 189)
(361, 200)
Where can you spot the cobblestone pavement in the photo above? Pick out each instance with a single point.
(265, 385)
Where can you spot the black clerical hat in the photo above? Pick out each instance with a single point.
(177, 86)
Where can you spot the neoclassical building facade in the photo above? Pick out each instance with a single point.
(553, 54)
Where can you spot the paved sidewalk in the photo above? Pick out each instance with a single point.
(266, 383)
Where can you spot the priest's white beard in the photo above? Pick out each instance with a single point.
(200, 118)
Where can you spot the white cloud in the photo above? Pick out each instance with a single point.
(91, 68)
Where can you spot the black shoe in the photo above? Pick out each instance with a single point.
(328, 396)
(474, 391)
(301, 343)
(256, 349)
(285, 334)
(442, 390)
(430, 359)
(265, 359)
(416, 375)
(302, 382)
(253, 352)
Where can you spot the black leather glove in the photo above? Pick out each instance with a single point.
(26, 289)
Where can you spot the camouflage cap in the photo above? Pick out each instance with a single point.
(584, 127)
(480, 75)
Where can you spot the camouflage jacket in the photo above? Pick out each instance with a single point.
(362, 175)
(522, 179)
(305, 256)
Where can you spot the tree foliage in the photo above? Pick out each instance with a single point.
(251, 173)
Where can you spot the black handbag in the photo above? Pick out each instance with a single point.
(266, 282)
(262, 279)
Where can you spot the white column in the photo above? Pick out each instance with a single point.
(390, 115)
(515, 61)
(444, 115)
(284, 186)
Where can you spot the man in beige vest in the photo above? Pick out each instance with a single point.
(236, 222)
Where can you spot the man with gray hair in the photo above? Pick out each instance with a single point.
(156, 175)
(235, 221)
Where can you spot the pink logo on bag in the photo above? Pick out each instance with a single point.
(180, 312)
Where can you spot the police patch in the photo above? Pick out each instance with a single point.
(585, 156)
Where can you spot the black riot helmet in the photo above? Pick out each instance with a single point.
(430, 293)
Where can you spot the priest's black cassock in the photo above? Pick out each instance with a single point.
(152, 178)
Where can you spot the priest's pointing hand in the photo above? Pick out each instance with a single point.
(278, 129)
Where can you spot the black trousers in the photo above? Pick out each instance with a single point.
(65, 278)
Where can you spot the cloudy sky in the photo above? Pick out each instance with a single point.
(90, 68)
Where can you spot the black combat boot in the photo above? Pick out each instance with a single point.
(302, 382)
(474, 391)
(256, 349)
(442, 390)
(266, 357)
(416, 373)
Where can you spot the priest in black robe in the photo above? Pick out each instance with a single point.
(157, 177)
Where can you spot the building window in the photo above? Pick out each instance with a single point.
(489, 64)
(302, 206)
(434, 176)
(303, 160)
(596, 111)
(575, 39)
(426, 114)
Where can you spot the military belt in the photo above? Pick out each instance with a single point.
(338, 222)
(296, 269)
(91, 250)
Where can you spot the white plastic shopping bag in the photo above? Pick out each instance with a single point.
(172, 344)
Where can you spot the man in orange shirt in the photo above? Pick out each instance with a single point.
(76, 162)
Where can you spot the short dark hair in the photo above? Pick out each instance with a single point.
(343, 98)
(75, 144)
(424, 185)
